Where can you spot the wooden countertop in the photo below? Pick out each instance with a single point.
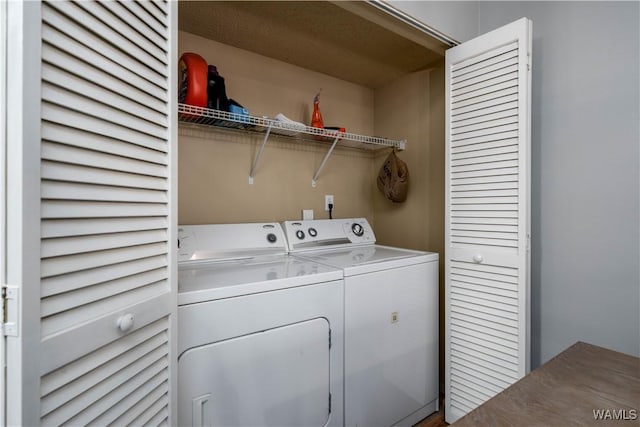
(566, 391)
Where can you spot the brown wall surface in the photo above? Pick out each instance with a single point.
(214, 166)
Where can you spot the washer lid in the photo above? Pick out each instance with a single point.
(365, 259)
(225, 279)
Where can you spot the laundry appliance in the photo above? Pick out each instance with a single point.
(259, 332)
(390, 321)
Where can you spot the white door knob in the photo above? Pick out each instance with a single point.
(478, 258)
(125, 322)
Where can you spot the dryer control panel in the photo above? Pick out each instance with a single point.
(328, 233)
(229, 241)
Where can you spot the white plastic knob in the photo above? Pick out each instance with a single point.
(125, 322)
(478, 258)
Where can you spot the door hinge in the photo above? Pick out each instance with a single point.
(329, 402)
(329, 339)
(10, 295)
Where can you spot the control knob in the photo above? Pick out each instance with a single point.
(300, 234)
(271, 238)
(357, 229)
(312, 232)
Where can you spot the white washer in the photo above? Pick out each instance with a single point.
(259, 332)
(391, 320)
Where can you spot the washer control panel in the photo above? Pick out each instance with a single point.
(327, 233)
(357, 229)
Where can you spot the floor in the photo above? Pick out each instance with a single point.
(585, 385)
(434, 420)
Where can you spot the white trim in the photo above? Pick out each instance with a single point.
(524, 108)
(3, 196)
(23, 207)
(173, 212)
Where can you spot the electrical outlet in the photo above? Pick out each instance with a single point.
(328, 200)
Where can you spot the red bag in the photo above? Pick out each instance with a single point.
(192, 76)
(393, 179)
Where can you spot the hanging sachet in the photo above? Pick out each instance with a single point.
(393, 179)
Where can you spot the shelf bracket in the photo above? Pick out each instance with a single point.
(314, 180)
(258, 155)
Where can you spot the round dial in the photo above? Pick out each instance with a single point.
(271, 238)
(357, 229)
(300, 234)
(312, 232)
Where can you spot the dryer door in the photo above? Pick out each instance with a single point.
(277, 377)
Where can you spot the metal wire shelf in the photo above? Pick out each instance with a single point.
(209, 117)
(226, 120)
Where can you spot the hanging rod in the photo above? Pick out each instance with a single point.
(408, 19)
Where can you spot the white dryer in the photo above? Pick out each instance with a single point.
(391, 320)
(259, 333)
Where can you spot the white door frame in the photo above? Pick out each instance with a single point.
(3, 195)
(22, 209)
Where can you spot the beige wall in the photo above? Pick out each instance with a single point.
(414, 106)
(214, 166)
(437, 185)
(214, 188)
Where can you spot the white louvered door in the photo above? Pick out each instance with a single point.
(98, 288)
(487, 216)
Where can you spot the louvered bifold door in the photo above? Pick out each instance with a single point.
(107, 212)
(487, 218)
